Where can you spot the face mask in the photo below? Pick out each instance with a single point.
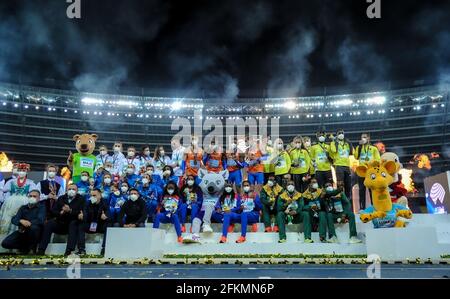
(134, 197)
(71, 193)
(130, 154)
(228, 189)
(215, 147)
(108, 169)
(298, 145)
(321, 139)
(270, 183)
(170, 191)
(84, 178)
(233, 146)
(190, 183)
(93, 200)
(103, 152)
(22, 174)
(166, 172)
(290, 188)
(308, 143)
(149, 172)
(107, 181)
(51, 174)
(315, 186)
(117, 193)
(130, 170)
(117, 149)
(32, 201)
(147, 153)
(269, 142)
(124, 189)
(340, 136)
(364, 140)
(144, 181)
(280, 146)
(161, 153)
(329, 189)
(247, 189)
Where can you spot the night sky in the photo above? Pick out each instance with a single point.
(223, 48)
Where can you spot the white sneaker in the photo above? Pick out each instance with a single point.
(207, 228)
(354, 240)
(333, 239)
(191, 239)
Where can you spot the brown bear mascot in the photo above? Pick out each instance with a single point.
(84, 160)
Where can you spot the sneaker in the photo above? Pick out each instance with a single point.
(282, 241)
(207, 228)
(254, 227)
(240, 240)
(354, 240)
(275, 228)
(323, 240)
(333, 239)
(268, 229)
(231, 228)
(191, 239)
(309, 241)
(81, 252)
(183, 229)
(180, 239)
(223, 239)
(67, 253)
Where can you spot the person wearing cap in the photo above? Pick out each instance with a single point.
(29, 220)
(133, 212)
(340, 150)
(50, 189)
(67, 215)
(320, 155)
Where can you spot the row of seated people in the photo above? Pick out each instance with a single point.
(76, 214)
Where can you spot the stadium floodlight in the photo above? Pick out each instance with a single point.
(290, 105)
(91, 101)
(176, 105)
(376, 100)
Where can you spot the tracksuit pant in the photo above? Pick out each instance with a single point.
(303, 217)
(184, 209)
(300, 185)
(323, 177)
(229, 218)
(332, 219)
(164, 218)
(267, 212)
(344, 174)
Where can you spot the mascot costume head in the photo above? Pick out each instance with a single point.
(83, 160)
(397, 190)
(377, 177)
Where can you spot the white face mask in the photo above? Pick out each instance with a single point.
(107, 181)
(341, 136)
(363, 140)
(14, 171)
(315, 186)
(329, 188)
(22, 174)
(93, 200)
(194, 142)
(130, 170)
(144, 181)
(103, 152)
(228, 189)
(147, 153)
(71, 193)
(161, 153)
(269, 142)
(298, 145)
(32, 201)
(134, 197)
(247, 189)
(190, 183)
(108, 169)
(308, 143)
(280, 146)
(321, 138)
(117, 149)
(84, 178)
(117, 193)
(290, 188)
(124, 189)
(166, 172)
(51, 174)
(270, 183)
(170, 191)
(149, 172)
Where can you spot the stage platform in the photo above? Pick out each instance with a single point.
(426, 237)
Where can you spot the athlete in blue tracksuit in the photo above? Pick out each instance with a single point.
(156, 178)
(116, 200)
(84, 185)
(226, 210)
(250, 206)
(234, 167)
(131, 178)
(191, 200)
(168, 175)
(169, 207)
(151, 193)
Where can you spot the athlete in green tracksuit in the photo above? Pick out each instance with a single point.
(268, 196)
(339, 210)
(290, 205)
(314, 205)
